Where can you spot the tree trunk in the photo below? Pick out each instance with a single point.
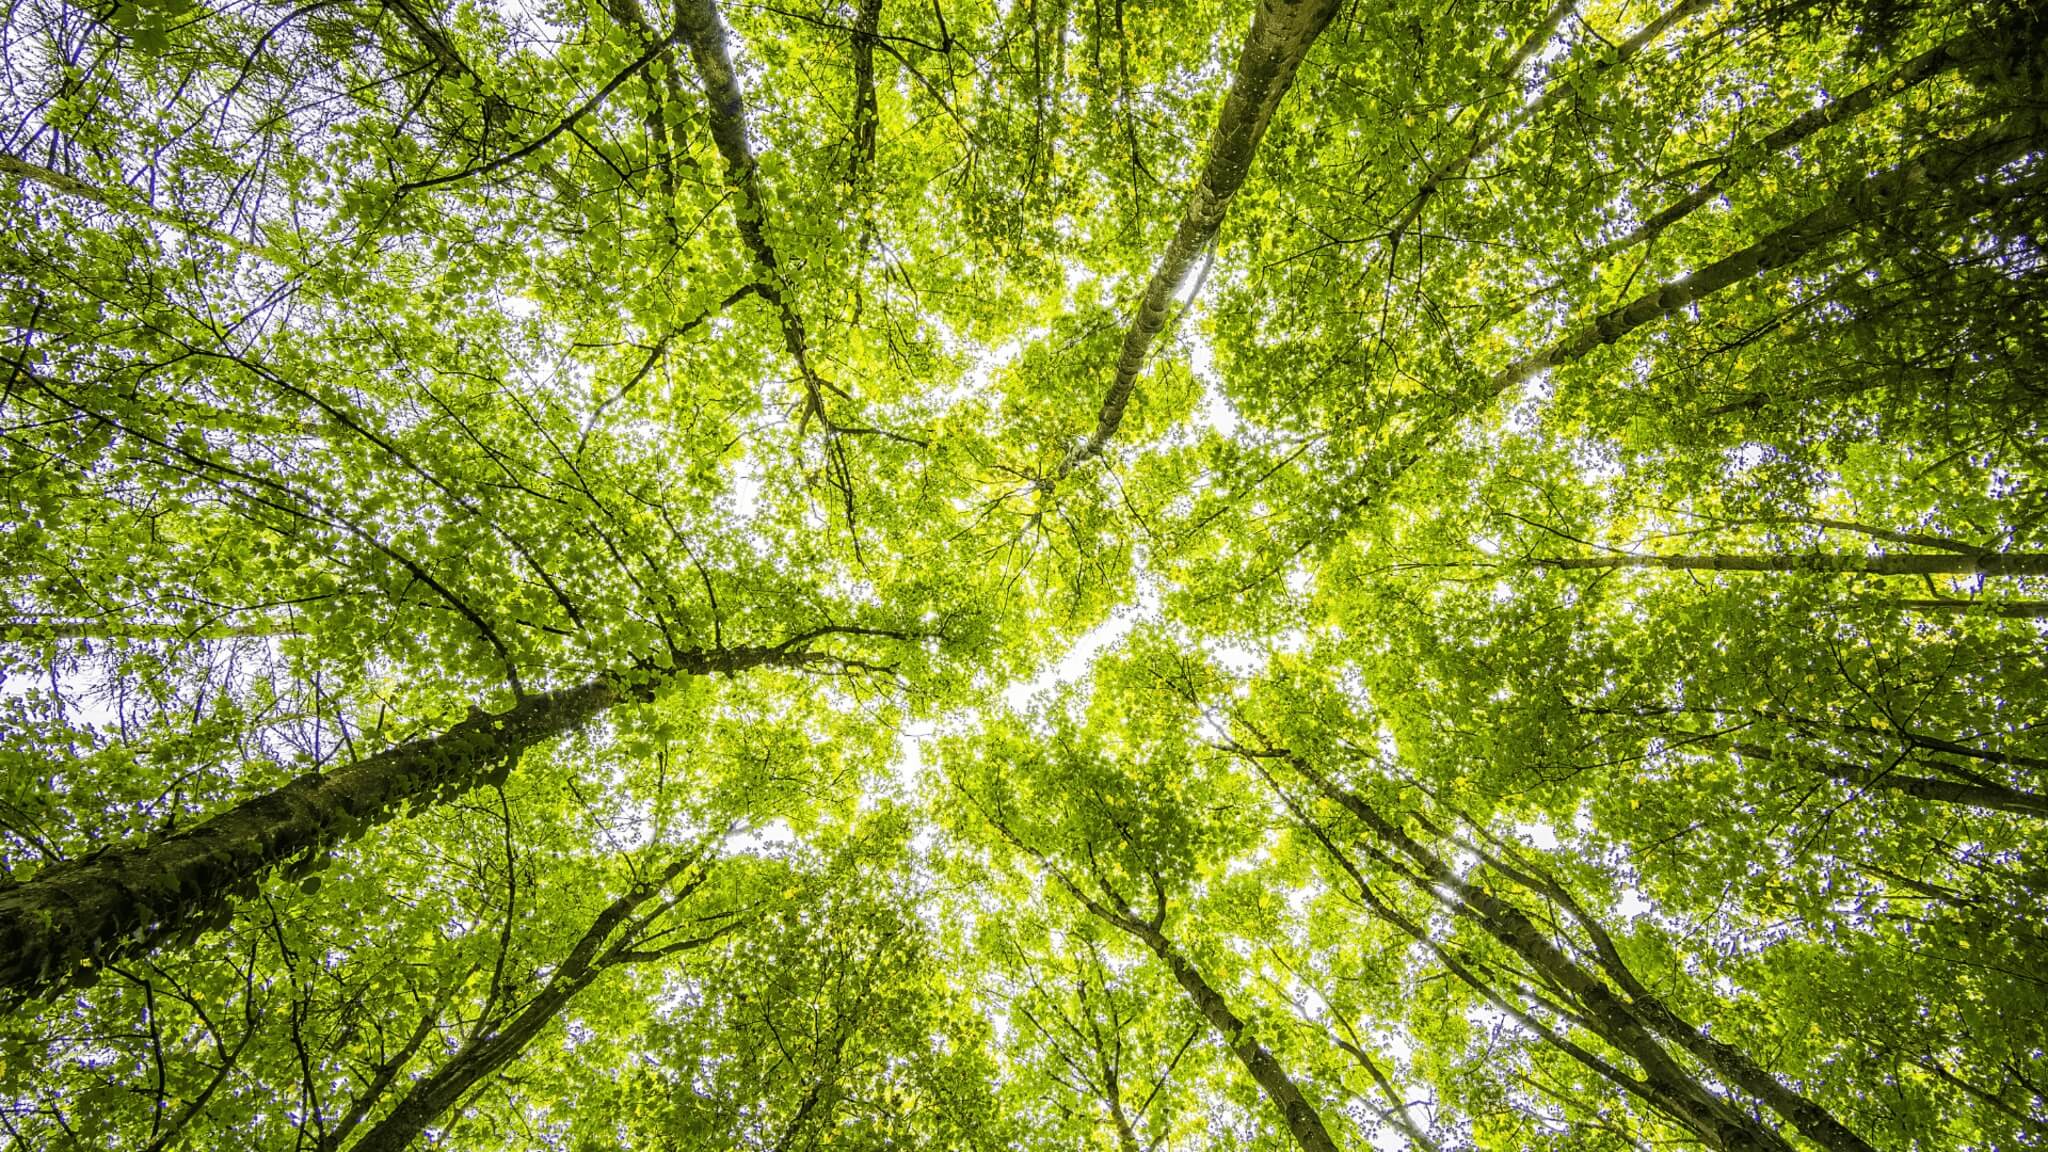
(72, 918)
(1575, 87)
(1625, 1022)
(1664, 1086)
(35, 630)
(1900, 564)
(2002, 609)
(1959, 163)
(704, 32)
(1922, 68)
(1281, 33)
(1993, 796)
(1303, 1122)
(867, 20)
(380, 1082)
(126, 201)
(491, 1048)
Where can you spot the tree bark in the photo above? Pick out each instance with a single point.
(1992, 796)
(70, 919)
(125, 200)
(867, 20)
(1303, 1122)
(704, 32)
(380, 1081)
(2004, 609)
(1957, 163)
(1664, 1086)
(1281, 34)
(491, 1048)
(1559, 90)
(34, 630)
(1922, 68)
(1905, 564)
(1625, 1022)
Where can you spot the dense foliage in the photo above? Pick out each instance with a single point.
(1464, 574)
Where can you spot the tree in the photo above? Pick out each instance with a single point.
(1023, 575)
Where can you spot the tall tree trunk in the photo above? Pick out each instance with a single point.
(607, 943)
(703, 30)
(867, 21)
(1303, 1122)
(33, 628)
(122, 199)
(2002, 609)
(1558, 90)
(1625, 1021)
(72, 918)
(1929, 64)
(1958, 164)
(1997, 797)
(1901, 564)
(1281, 33)
(1664, 1086)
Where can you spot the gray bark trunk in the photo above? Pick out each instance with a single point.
(1625, 1022)
(1957, 164)
(492, 1048)
(704, 31)
(1282, 32)
(70, 919)
(1991, 796)
(1911, 564)
(1922, 68)
(1303, 1122)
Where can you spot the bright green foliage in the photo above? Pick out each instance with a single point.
(1549, 656)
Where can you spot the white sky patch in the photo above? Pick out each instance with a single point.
(975, 381)
(1633, 904)
(1240, 660)
(519, 13)
(1072, 667)
(1077, 274)
(1299, 901)
(743, 486)
(1597, 461)
(1747, 457)
(88, 699)
(632, 827)
(1388, 1138)
(760, 841)
(679, 993)
(908, 767)
(1538, 833)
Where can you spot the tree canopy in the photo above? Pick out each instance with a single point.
(950, 574)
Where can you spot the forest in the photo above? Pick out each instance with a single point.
(1137, 575)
